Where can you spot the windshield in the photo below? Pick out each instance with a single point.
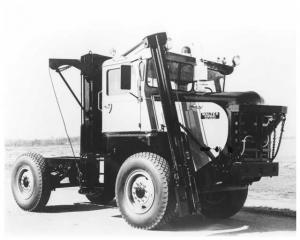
(181, 75)
(207, 80)
(205, 76)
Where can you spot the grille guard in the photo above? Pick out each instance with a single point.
(254, 134)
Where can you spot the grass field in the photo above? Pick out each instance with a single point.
(276, 192)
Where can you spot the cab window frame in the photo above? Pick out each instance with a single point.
(116, 91)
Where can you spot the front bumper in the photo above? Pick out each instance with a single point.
(249, 170)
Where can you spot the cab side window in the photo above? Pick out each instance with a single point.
(151, 74)
(113, 84)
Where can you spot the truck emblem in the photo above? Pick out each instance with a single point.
(210, 115)
(196, 106)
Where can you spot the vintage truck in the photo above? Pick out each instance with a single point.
(160, 141)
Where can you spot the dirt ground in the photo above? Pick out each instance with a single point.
(69, 213)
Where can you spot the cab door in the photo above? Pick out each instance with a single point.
(120, 104)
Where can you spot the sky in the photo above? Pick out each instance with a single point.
(263, 33)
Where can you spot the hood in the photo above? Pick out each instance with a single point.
(239, 97)
(243, 98)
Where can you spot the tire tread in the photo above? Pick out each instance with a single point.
(43, 181)
(167, 209)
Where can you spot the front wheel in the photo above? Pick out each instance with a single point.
(30, 182)
(223, 204)
(144, 193)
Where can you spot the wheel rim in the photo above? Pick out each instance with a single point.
(25, 182)
(139, 191)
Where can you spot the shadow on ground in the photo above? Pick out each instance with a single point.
(244, 222)
(76, 207)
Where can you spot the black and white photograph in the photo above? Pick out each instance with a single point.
(148, 118)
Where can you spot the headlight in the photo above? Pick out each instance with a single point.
(236, 60)
(169, 44)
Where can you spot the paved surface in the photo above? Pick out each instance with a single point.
(70, 213)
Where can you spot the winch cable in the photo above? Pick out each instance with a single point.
(61, 114)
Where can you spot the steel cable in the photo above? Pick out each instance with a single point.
(61, 114)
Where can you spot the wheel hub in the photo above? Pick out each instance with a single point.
(25, 182)
(139, 189)
(140, 192)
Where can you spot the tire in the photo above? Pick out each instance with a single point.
(30, 182)
(223, 204)
(144, 192)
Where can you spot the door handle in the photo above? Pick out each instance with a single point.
(108, 107)
(99, 102)
(139, 99)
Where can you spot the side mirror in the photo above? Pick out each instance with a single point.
(125, 77)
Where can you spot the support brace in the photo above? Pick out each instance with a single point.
(55, 64)
(183, 192)
(71, 90)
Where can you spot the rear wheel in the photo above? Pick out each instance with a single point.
(143, 191)
(223, 204)
(30, 182)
